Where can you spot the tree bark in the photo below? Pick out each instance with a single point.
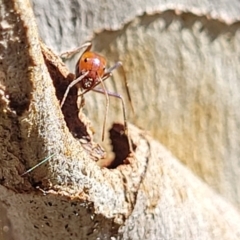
(181, 61)
(148, 195)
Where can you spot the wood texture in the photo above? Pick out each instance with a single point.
(181, 59)
(149, 196)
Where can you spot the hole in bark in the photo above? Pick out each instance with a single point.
(61, 79)
(70, 108)
(78, 124)
(120, 145)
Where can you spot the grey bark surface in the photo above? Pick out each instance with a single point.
(150, 196)
(181, 59)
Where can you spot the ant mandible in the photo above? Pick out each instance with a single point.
(90, 71)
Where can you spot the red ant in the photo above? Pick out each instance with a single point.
(90, 71)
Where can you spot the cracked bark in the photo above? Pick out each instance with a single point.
(148, 196)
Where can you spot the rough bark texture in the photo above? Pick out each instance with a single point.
(182, 62)
(150, 195)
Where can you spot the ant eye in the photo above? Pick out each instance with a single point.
(86, 59)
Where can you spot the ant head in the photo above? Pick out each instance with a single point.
(92, 62)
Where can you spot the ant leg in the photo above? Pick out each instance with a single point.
(70, 53)
(71, 85)
(104, 91)
(108, 73)
(116, 95)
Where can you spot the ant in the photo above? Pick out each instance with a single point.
(90, 71)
